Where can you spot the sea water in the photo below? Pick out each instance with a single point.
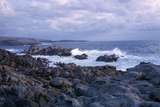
(131, 53)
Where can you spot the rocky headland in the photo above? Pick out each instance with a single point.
(29, 82)
(14, 41)
(51, 50)
(108, 58)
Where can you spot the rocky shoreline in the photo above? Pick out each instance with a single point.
(51, 50)
(29, 82)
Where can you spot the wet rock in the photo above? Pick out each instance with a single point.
(81, 90)
(150, 104)
(33, 49)
(102, 80)
(155, 94)
(52, 50)
(108, 58)
(148, 72)
(29, 82)
(11, 59)
(96, 104)
(43, 61)
(22, 103)
(60, 82)
(74, 102)
(67, 101)
(81, 57)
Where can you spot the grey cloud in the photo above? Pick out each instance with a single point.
(6, 9)
(103, 19)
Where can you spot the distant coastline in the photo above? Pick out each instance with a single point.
(14, 41)
(70, 41)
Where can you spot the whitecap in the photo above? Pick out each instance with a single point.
(115, 51)
(125, 61)
(12, 50)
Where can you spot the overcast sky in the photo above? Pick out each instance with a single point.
(81, 19)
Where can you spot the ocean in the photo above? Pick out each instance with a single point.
(131, 53)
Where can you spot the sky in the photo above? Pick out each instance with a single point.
(81, 19)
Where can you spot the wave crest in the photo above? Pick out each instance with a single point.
(12, 50)
(115, 51)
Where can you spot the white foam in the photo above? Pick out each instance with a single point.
(115, 51)
(125, 61)
(46, 44)
(12, 50)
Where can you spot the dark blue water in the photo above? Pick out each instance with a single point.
(131, 47)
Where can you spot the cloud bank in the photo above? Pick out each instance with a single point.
(5, 8)
(81, 19)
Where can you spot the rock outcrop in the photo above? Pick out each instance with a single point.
(81, 57)
(108, 58)
(51, 50)
(26, 61)
(29, 82)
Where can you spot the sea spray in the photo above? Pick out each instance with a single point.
(115, 51)
(92, 56)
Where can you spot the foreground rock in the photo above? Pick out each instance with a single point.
(81, 57)
(29, 82)
(139, 87)
(52, 50)
(108, 58)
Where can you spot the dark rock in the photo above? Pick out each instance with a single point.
(102, 80)
(96, 104)
(150, 104)
(22, 103)
(60, 82)
(74, 102)
(67, 101)
(108, 58)
(11, 59)
(33, 49)
(52, 50)
(43, 61)
(81, 90)
(81, 57)
(29, 82)
(155, 94)
(147, 71)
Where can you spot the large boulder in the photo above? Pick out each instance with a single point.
(108, 58)
(81, 57)
(148, 72)
(51, 50)
(81, 90)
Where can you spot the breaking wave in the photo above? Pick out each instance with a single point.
(115, 51)
(130, 54)
(125, 61)
(12, 50)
